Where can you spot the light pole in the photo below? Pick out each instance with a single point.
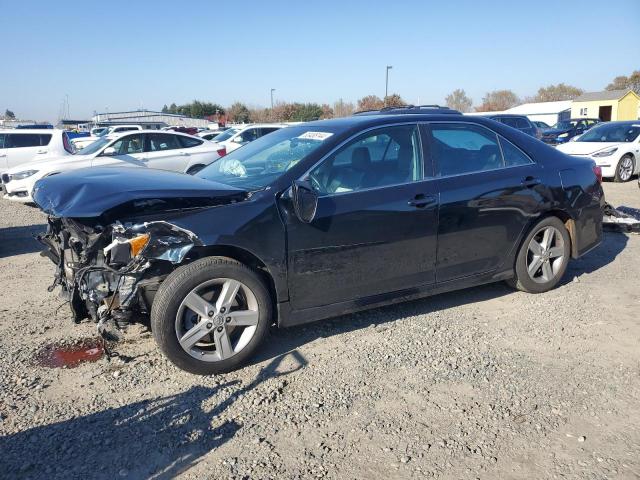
(386, 88)
(272, 90)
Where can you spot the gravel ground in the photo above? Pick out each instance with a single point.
(481, 383)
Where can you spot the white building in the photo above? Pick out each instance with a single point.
(148, 119)
(547, 112)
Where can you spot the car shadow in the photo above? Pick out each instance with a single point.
(157, 438)
(288, 339)
(20, 240)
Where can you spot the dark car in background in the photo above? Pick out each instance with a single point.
(541, 125)
(565, 130)
(519, 122)
(313, 221)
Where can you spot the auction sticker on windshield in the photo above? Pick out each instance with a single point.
(321, 136)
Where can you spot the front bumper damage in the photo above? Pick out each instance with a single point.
(112, 272)
(621, 219)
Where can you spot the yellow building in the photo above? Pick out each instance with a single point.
(607, 105)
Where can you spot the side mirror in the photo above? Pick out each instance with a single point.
(109, 152)
(305, 200)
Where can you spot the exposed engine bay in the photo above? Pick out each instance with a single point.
(112, 272)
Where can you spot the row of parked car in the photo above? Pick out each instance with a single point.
(29, 155)
(614, 146)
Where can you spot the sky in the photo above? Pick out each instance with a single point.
(123, 55)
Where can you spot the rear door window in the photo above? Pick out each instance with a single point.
(458, 149)
(162, 141)
(22, 140)
(45, 139)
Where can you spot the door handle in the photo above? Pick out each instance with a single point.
(185, 154)
(41, 151)
(530, 181)
(421, 200)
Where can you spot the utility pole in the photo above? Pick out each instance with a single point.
(386, 88)
(272, 90)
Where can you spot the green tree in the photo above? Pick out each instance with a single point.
(9, 115)
(165, 109)
(458, 100)
(554, 93)
(498, 100)
(306, 112)
(173, 108)
(238, 113)
(623, 82)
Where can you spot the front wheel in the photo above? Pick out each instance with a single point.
(624, 169)
(210, 316)
(543, 257)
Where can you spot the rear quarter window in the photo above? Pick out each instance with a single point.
(45, 139)
(187, 142)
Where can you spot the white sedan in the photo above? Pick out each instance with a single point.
(614, 146)
(148, 148)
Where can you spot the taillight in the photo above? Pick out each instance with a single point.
(222, 152)
(598, 173)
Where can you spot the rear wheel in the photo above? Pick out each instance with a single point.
(543, 257)
(624, 169)
(210, 316)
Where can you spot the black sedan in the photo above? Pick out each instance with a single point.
(565, 130)
(313, 221)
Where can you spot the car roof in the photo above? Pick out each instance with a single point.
(138, 132)
(364, 121)
(30, 130)
(507, 115)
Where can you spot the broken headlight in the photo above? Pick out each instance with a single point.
(153, 240)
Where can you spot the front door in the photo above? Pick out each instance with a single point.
(489, 190)
(127, 151)
(164, 152)
(375, 226)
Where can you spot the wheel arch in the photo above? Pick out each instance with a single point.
(243, 256)
(569, 224)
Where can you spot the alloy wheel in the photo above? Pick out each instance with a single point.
(217, 319)
(545, 255)
(625, 170)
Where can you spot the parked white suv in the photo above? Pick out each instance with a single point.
(236, 137)
(24, 145)
(148, 148)
(81, 142)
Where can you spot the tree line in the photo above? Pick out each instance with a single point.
(496, 100)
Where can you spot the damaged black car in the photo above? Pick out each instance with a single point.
(314, 221)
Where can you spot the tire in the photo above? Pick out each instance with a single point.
(624, 169)
(194, 169)
(551, 263)
(245, 321)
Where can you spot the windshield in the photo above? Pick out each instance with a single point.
(94, 146)
(564, 125)
(262, 161)
(227, 134)
(612, 132)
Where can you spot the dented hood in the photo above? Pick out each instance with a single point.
(90, 192)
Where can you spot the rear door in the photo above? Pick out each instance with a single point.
(489, 190)
(374, 230)
(165, 152)
(3, 154)
(23, 148)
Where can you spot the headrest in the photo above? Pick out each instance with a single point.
(360, 158)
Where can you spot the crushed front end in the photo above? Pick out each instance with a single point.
(112, 272)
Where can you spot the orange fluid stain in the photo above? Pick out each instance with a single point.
(70, 356)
